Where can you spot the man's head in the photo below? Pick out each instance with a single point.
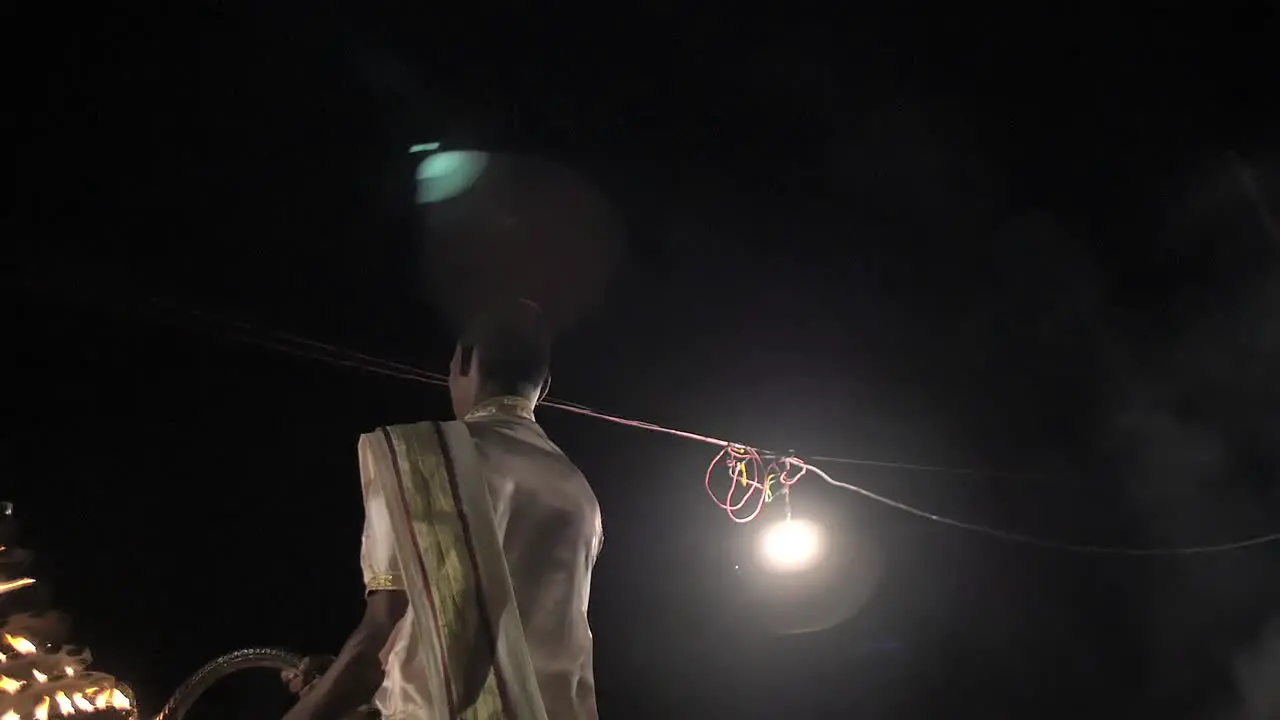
(506, 350)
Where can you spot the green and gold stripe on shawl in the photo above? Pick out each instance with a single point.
(456, 575)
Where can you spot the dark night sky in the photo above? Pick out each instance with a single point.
(1016, 243)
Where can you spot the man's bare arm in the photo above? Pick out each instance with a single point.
(357, 672)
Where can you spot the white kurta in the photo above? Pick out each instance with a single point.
(549, 524)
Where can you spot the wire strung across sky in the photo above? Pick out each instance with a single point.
(762, 475)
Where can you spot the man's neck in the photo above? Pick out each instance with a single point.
(509, 405)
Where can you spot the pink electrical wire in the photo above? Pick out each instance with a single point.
(581, 410)
(745, 463)
(747, 494)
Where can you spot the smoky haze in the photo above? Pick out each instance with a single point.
(1194, 431)
(1257, 677)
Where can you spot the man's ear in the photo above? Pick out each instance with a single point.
(466, 356)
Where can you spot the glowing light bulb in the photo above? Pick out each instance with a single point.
(791, 545)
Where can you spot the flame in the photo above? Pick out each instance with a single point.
(11, 585)
(9, 685)
(41, 681)
(119, 700)
(21, 644)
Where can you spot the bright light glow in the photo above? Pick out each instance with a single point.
(791, 546)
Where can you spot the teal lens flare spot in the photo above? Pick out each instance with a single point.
(449, 174)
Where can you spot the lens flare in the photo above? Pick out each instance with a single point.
(445, 175)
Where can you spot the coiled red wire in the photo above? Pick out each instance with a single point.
(745, 465)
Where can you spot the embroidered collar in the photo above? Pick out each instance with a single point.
(509, 405)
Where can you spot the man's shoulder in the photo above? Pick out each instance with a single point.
(409, 428)
(425, 436)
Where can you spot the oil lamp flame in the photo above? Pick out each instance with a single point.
(81, 702)
(16, 584)
(21, 644)
(40, 677)
(64, 687)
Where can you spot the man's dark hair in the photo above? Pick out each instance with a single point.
(514, 345)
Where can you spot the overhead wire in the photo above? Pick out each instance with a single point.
(1043, 542)
(757, 477)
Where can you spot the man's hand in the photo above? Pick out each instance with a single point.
(331, 691)
(301, 680)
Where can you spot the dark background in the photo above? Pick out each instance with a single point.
(1031, 243)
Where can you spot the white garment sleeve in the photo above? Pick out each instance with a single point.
(377, 550)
